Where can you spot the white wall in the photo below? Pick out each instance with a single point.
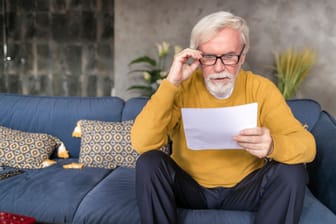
(274, 26)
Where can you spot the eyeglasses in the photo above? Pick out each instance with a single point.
(226, 59)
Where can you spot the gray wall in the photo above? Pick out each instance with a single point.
(275, 25)
(57, 47)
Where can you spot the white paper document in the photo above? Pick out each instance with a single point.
(214, 128)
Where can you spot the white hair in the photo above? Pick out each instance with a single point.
(210, 25)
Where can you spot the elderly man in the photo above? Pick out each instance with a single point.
(266, 176)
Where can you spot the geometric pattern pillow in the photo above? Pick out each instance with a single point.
(25, 150)
(107, 144)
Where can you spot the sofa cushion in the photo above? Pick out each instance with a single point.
(111, 201)
(28, 150)
(52, 194)
(119, 185)
(107, 144)
(57, 115)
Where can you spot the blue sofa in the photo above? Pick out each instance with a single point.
(97, 195)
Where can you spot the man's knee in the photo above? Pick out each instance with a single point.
(150, 160)
(292, 175)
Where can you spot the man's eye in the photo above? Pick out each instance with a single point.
(228, 56)
(209, 57)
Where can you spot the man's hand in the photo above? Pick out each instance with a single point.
(184, 64)
(257, 141)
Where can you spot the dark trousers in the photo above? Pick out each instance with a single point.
(275, 192)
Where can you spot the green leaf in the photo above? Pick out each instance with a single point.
(155, 75)
(139, 70)
(141, 87)
(144, 59)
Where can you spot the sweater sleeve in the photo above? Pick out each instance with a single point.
(153, 124)
(292, 142)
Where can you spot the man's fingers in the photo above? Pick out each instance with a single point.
(252, 131)
(189, 56)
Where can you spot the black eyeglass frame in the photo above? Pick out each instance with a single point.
(220, 57)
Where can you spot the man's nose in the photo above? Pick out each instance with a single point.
(219, 66)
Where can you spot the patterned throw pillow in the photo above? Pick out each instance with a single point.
(25, 150)
(107, 144)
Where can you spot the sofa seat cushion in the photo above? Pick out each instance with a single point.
(111, 201)
(313, 212)
(114, 201)
(52, 194)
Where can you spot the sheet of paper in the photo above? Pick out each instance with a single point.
(214, 128)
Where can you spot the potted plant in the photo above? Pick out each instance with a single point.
(291, 68)
(153, 70)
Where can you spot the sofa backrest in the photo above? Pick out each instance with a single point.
(57, 115)
(307, 111)
(133, 107)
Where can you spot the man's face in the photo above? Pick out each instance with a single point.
(220, 78)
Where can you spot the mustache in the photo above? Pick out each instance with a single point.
(220, 75)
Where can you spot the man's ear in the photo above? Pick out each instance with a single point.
(242, 59)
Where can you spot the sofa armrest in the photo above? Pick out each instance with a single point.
(322, 170)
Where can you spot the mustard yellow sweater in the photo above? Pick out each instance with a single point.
(161, 117)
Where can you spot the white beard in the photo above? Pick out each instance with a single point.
(220, 90)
